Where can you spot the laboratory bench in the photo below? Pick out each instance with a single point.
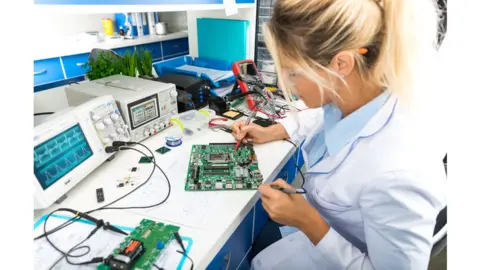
(60, 65)
(223, 227)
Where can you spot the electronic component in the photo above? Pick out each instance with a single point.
(264, 122)
(70, 144)
(199, 88)
(218, 166)
(146, 160)
(142, 248)
(134, 169)
(163, 150)
(234, 115)
(100, 195)
(146, 105)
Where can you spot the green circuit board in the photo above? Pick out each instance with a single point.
(218, 166)
(149, 233)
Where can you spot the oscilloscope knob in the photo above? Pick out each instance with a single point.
(100, 126)
(95, 117)
(173, 93)
(107, 121)
(114, 117)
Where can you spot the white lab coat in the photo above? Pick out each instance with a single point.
(381, 202)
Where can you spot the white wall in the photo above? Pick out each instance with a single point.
(56, 26)
(243, 14)
(176, 21)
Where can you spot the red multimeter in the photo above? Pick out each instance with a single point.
(246, 67)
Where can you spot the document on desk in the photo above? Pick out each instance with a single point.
(185, 208)
(101, 244)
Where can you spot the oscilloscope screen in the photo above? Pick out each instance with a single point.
(59, 155)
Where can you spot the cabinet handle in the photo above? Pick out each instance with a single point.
(39, 72)
(227, 259)
(80, 64)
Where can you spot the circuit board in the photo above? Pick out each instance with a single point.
(218, 166)
(149, 233)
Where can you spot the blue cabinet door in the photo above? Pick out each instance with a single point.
(74, 65)
(47, 71)
(124, 50)
(154, 48)
(175, 47)
(236, 248)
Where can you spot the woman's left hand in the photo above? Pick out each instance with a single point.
(287, 209)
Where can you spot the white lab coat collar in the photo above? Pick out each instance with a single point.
(375, 124)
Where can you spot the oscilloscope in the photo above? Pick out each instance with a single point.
(70, 145)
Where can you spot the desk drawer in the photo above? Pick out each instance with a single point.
(47, 71)
(73, 65)
(124, 50)
(175, 47)
(154, 48)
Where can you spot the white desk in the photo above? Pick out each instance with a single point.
(231, 206)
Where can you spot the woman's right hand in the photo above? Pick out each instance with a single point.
(252, 133)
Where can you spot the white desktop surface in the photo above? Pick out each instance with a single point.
(231, 206)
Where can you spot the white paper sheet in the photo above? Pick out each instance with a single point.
(101, 244)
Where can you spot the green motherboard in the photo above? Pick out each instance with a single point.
(218, 166)
(149, 234)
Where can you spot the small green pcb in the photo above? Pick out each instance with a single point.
(218, 166)
(149, 233)
(145, 160)
(163, 150)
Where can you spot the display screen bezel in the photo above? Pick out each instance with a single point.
(140, 102)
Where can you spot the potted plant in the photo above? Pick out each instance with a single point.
(144, 65)
(103, 65)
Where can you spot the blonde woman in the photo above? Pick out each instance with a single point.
(373, 189)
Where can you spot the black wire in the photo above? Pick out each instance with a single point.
(75, 248)
(43, 113)
(148, 206)
(185, 254)
(72, 220)
(296, 163)
(156, 266)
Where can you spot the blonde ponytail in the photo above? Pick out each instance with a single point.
(399, 36)
(410, 39)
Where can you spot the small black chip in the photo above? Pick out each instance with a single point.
(134, 169)
(249, 185)
(100, 195)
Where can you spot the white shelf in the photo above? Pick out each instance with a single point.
(59, 48)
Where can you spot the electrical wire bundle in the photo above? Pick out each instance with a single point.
(116, 146)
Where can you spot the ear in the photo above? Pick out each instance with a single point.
(343, 63)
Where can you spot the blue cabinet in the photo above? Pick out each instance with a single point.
(47, 71)
(74, 65)
(154, 48)
(124, 50)
(236, 248)
(174, 47)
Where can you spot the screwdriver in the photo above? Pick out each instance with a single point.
(246, 124)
